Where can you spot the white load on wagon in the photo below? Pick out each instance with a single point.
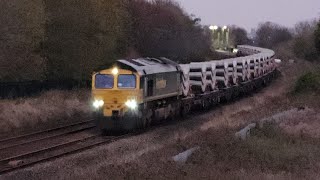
(211, 75)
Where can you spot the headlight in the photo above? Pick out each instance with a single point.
(132, 104)
(115, 71)
(98, 103)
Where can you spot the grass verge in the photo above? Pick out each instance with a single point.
(48, 110)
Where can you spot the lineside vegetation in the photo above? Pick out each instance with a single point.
(63, 40)
(309, 82)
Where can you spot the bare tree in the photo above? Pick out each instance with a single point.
(270, 34)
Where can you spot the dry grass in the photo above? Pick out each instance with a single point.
(261, 155)
(300, 122)
(46, 110)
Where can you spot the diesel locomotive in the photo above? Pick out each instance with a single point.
(135, 93)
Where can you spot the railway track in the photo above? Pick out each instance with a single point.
(22, 151)
(46, 134)
(49, 153)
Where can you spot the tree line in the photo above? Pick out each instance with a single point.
(302, 41)
(70, 39)
(67, 40)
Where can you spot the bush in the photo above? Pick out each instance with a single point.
(303, 44)
(304, 48)
(309, 82)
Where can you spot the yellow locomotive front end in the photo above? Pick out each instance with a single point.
(116, 98)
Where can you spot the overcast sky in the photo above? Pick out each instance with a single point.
(249, 13)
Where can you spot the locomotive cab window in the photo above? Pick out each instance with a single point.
(127, 81)
(104, 81)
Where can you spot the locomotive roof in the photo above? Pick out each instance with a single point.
(146, 66)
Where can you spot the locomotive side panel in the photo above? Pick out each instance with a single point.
(161, 85)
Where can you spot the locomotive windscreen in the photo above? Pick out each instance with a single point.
(104, 81)
(126, 81)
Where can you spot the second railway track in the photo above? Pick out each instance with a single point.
(46, 134)
(25, 150)
(52, 152)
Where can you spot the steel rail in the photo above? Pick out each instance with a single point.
(53, 152)
(47, 137)
(12, 141)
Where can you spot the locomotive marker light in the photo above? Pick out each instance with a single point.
(132, 104)
(98, 103)
(115, 71)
